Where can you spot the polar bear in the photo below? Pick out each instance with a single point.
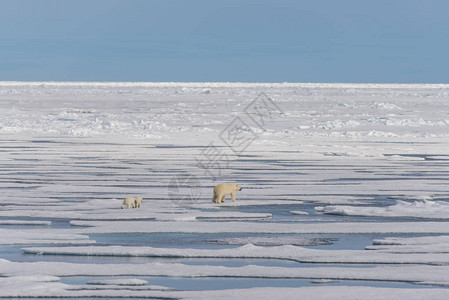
(224, 189)
(129, 201)
(134, 202)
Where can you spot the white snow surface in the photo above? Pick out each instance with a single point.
(299, 212)
(36, 236)
(13, 287)
(273, 241)
(285, 252)
(418, 209)
(364, 166)
(88, 227)
(24, 222)
(401, 273)
(425, 244)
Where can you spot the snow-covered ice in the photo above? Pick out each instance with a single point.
(129, 281)
(287, 252)
(24, 222)
(274, 241)
(425, 244)
(299, 212)
(418, 209)
(411, 274)
(89, 227)
(345, 191)
(41, 236)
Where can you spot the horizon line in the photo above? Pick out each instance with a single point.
(220, 84)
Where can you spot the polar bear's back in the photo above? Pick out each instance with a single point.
(224, 188)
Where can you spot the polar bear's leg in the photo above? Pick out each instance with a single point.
(222, 199)
(233, 196)
(125, 202)
(214, 199)
(138, 202)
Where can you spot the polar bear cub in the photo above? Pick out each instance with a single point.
(224, 189)
(129, 201)
(134, 202)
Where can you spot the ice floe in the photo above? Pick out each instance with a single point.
(126, 282)
(401, 273)
(418, 209)
(109, 209)
(425, 244)
(274, 241)
(299, 212)
(24, 222)
(36, 236)
(86, 227)
(59, 290)
(286, 252)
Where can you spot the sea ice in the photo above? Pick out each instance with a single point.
(274, 241)
(72, 151)
(418, 209)
(286, 252)
(41, 236)
(87, 227)
(126, 282)
(24, 222)
(402, 273)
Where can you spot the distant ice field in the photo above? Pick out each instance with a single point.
(344, 185)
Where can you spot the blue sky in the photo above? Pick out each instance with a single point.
(231, 40)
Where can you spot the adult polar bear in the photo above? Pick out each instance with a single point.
(224, 189)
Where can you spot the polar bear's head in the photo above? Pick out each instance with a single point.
(237, 187)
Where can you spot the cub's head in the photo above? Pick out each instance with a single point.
(237, 187)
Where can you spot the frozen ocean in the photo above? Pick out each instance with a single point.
(345, 190)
